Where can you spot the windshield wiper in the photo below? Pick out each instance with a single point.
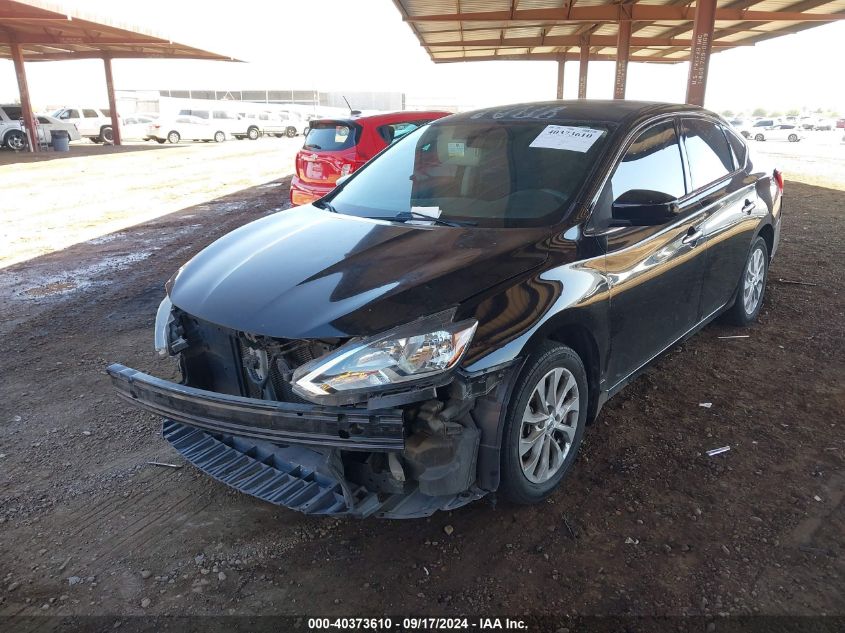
(324, 204)
(406, 216)
(311, 147)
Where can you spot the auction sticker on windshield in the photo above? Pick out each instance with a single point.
(572, 138)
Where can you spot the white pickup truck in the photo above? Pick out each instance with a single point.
(92, 123)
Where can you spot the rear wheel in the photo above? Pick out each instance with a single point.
(793, 138)
(219, 137)
(96, 139)
(290, 132)
(15, 140)
(173, 137)
(252, 133)
(107, 134)
(752, 286)
(545, 424)
(759, 137)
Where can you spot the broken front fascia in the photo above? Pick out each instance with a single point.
(404, 453)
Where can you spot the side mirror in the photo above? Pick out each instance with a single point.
(642, 207)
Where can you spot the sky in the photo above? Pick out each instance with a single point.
(337, 45)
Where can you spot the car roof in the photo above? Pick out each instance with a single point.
(605, 111)
(385, 117)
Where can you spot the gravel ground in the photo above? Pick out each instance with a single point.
(646, 524)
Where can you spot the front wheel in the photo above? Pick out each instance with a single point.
(759, 137)
(544, 425)
(174, 137)
(290, 132)
(752, 285)
(252, 133)
(793, 138)
(15, 140)
(219, 137)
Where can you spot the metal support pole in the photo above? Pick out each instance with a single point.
(582, 68)
(702, 42)
(26, 104)
(115, 119)
(623, 47)
(561, 64)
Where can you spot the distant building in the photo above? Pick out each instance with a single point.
(150, 100)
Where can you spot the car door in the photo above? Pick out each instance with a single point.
(730, 205)
(654, 272)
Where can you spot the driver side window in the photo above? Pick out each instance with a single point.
(651, 164)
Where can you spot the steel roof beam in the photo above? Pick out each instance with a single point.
(570, 40)
(617, 13)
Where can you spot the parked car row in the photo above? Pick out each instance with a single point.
(201, 124)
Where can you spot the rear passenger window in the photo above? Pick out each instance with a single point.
(653, 163)
(89, 114)
(394, 131)
(707, 151)
(740, 151)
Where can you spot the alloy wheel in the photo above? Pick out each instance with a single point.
(755, 275)
(548, 425)
(16, 142)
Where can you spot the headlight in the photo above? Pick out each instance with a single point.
(164, 317)
(408, 353)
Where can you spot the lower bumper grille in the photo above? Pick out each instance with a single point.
(263, 472)
(273, 474)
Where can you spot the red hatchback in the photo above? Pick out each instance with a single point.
(336, 147)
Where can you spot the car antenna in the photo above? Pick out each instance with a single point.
(351, 111)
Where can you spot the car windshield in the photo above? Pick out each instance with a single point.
(485, 173)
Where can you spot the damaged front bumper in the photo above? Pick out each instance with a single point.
(298, 455)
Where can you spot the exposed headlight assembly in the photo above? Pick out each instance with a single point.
(164, 317)
(168, 337)
(422, 349)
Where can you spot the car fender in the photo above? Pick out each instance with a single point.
(566, 303)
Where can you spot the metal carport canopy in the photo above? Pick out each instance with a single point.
(652, 31)
(34, 30)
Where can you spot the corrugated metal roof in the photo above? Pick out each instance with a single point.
(453, 30)
(46, 31)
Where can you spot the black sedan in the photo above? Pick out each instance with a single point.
(448, 320)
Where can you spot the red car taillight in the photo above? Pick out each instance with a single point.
(778, 176)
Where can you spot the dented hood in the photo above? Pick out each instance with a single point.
(307, 273)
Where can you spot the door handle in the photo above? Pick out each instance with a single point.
(692, 236)
(749, 206)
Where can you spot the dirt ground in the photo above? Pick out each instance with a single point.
(646, 524)
(53, 200)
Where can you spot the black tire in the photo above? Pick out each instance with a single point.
(739, 314)
(290, 131)
(96, 139)
(219, 136)
(15, 140)
(252, 133)
(793, 138)
(107, 134)
(173, 137)
(759, 137)
(161, 141)
(515, 485)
